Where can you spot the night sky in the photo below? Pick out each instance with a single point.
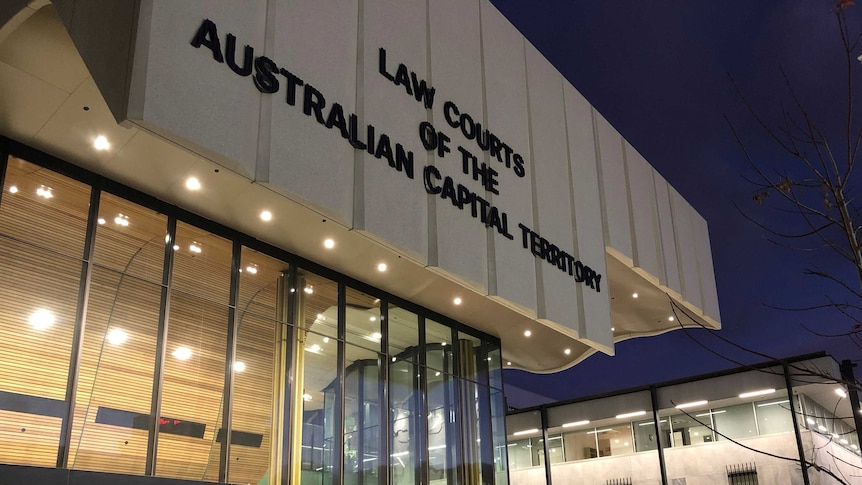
(659, 72)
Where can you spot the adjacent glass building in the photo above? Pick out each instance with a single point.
(745, 426)
(140, 339)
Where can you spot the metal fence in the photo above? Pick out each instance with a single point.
(742, 474)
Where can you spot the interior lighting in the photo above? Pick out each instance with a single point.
(527, 333)
(329, 243)
(309, 289)
(306, 397)
(703, 415)
(45, 192)
(266, 216)
(576, 423)
(121, 220)
(376, 336)
(821, 427)
(176, 247)
(526, 431)
(761, 392)
(101, 143)
(691, 404)
(193, 183)
(326, 340)
(373, 319)
(841, 393)
(314, 348)
(649, 423)
(597, 431)
(567, 351)
(437, 374)
(182, 353)
(252, 268)
(195, 248)
(116, 336)
(457, 300)
(101, 221)
(42, 319)
(613, 329)
(238, 366)
(634, 295)
(773, 403)
(630, 415)
(810, 421)
(670, 318)
(381, 267)
(13, 189)
(508, 363)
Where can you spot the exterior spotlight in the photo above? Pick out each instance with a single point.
(329, 243)
(101, 143)
(457, 300)
(266, 216)
(193, 183)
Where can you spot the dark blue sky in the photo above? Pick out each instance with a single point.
(658, 71)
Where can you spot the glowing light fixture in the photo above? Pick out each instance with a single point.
(810, 421)
(182, 353)
(101, 143)
(306, 397)
(508, 363)
(703, 415)
(195, 248)
(567, 351)
(101, 221)
(238, 366)
(309, 289)
(13, 189)
(45, 192)
(670, 318)
(526, 431)
(841, 392)
(761, 392)
(266, 216)
(373, 319)
(630, 415)
(576, 423)
(691, 404)
(634, 295)
(314, 348)
(121, 220)
(381, 267)
(376, 336)
(821, 427)
(252, 268)
(193, 183)
(176, 247)
(42, 319)
(329, 243)
(527, 333)
(116, 336)
(326, 340)
(457, 300)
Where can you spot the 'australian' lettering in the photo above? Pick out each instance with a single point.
(269, 78)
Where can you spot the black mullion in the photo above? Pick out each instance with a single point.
(290, 317)
(229, 373)
(161, 347)
(423, 455)
(4, 162)
(383, 464)
(451, 430)
(653, 392)
(338, 412)
(486, 434)
(457, 448)
(800, 448)
(78, 333)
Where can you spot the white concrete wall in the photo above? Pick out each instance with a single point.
(584, 188)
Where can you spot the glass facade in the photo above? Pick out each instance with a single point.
(141, 340)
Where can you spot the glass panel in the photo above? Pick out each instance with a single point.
(735, 421)
(404, 414)
(555, 448)
(362, 398)
(692, 430)
(193, 389)
(44, 208)
(442, 433)
(319, 366)
(521, 454)
(130, 239)
(580, 445)
(495, 365)
(438, 347)
(363, 319)
(498, 423)
(319, 299)
(615, 440)
(116, 377)
(645, 435)
(119, 349)
(470, 349)
(403, 334)
(256, 378)
(774, 416)
(39, 292)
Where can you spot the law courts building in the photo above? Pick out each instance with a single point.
(298, 241)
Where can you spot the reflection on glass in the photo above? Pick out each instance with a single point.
(580, 445)
(405, 416)
(194, 368)
(645, 435)
(442, 433)
(774, 416)
(319, 298)
(691, 430)
(39, 291)
(614, 440)
(498, 422)
(256, 387)
(362, 435)
(403, 334)
(363, 322)
(734, 421)
(119, 347)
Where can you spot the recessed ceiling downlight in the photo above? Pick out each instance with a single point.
(42, 319)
